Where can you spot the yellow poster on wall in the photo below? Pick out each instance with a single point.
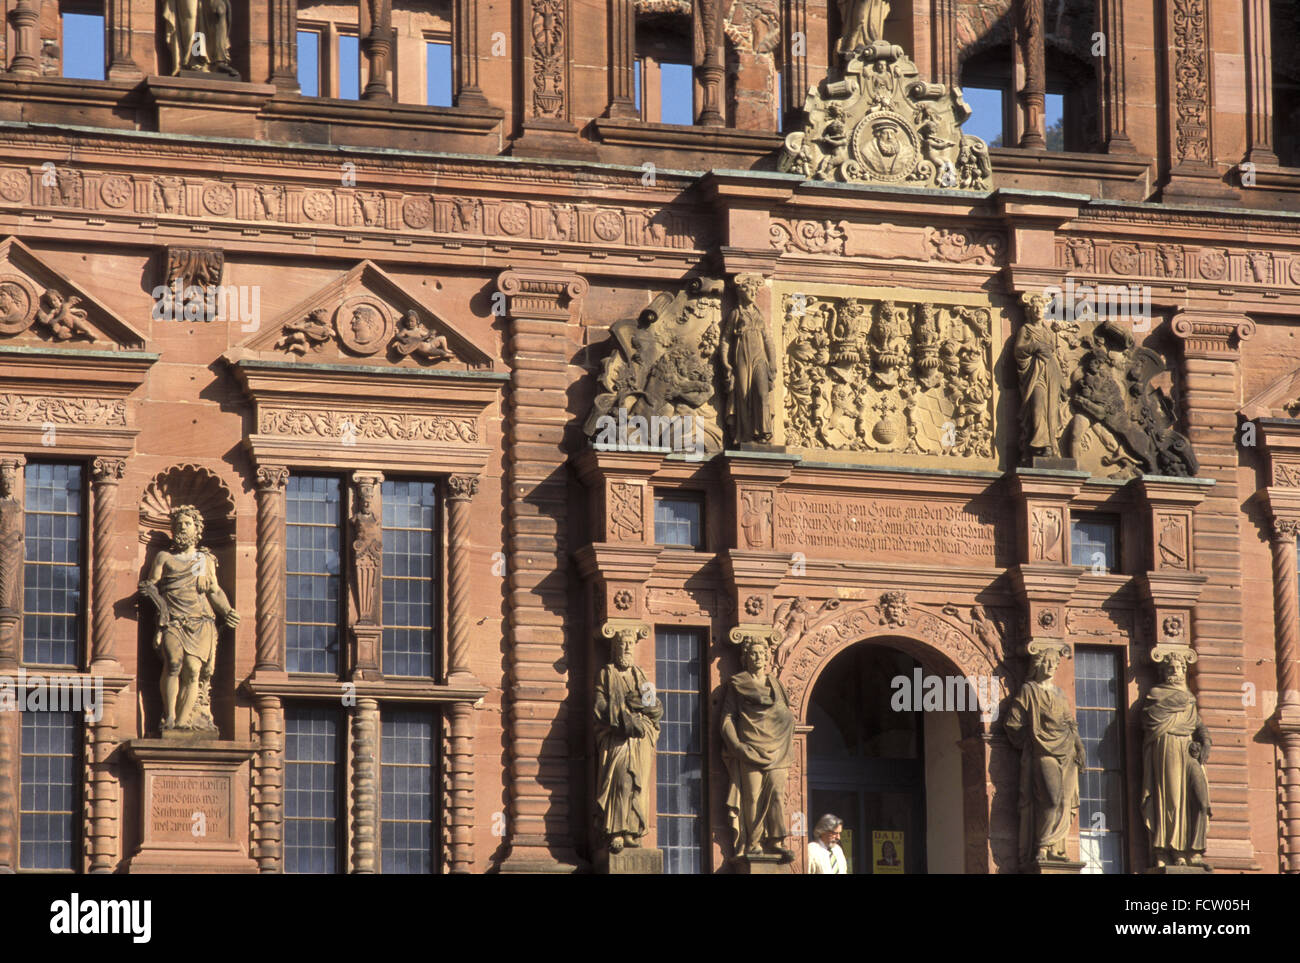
(886, 852)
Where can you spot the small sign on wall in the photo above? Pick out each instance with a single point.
(886, 852)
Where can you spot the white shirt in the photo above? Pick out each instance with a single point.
(826, 861)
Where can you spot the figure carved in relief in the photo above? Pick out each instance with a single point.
(11, 538)
(748, 365)
(367, 549)
(306, 335)
(627, 729)
(414, 337)
(1041, 725)
(64, 319)
(182, 584)
(1042, 386)
(1175, 751)
(197, 35)
(757, 735)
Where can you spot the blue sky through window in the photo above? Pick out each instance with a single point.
(676, 94)
(83, 46)
(309, 63)
(439, 73)
(349, 67)
(986, 113)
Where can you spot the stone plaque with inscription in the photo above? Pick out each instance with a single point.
(194, 806)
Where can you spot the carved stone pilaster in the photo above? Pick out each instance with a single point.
(546, 32)
(376, 47)
(945, 69)
(284, 45)
(1286, 608)
(103, 787)
(271, 481)
(1259, 83)
(1033, 95)
(1189, 56)
(25, 18)
(460, 765)
(367, 566)
(1114, 93)
(106, 474)
(465, 50)
(268, 784)
(12, 528)
(365, 782)
(461, 490)
(622, 57)
(1212, 337)
(121, 61)
(8, 802)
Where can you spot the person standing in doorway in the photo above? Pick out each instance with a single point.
(824, 853)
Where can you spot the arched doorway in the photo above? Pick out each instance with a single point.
(891, 773)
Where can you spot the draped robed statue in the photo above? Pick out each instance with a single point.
(863, 23)
(197, 35)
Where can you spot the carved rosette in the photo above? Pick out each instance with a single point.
(271, 482)
(365, 728)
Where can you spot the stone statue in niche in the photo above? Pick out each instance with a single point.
(658, 384)
(748, 365)
(757, 736)
(627, 729)
(1042, 385)
(1175, 750)
(197, 36)
(1041, 725)
(182, 585)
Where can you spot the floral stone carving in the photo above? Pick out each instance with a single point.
(888, 376)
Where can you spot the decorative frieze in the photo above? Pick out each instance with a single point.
(83, 411)
(299, 422)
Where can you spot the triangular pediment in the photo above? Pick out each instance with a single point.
(366, 318)
(1281, 399)
(41, 307)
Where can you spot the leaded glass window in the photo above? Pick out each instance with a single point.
(1094, 542)
(410, 606)
(1098, 674)
(680, 771)
(52, 551)
(312, 808)
(49, 806)
(313, 514)
(679, 520)
(406, 820)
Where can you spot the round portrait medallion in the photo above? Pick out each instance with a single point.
(364, 324)
(17, 304)
(885, 145)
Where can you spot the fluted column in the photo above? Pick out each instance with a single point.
(622, 56)
(284, 45)
(1287, 720)
(1259, 83)
(268, 784)
(465, 50)
(106, 474)
(461, 491)
(1033, 95)
(271, 480)
(121, 62)
(365, 780)
(943, 26)
(103, 789)
(25, 18)
(1114, 94)
(376, 47)
(12, 527)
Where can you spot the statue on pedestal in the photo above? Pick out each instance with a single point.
(1042, 385)
(748, 365)
(757, 736)
(1175, 750)
(863, 23)
(1041, 725)
(197, 35)
(627, 728)
(182, 585)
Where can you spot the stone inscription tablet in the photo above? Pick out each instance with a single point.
(839, 526)
(175, 801)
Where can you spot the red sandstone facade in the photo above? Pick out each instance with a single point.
(520, 224)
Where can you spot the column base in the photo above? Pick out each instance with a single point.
(630, 862)
(766, 864)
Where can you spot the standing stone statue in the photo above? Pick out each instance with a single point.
(627, 728)
(1041, 725)
(367, 549)
(1042, 386)
(863, 23)
(183, 588)
(757, 735)
(749, 365)
(1175, 750)
(11, 538)
(197, 35)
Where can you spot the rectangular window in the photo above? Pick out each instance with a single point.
(406, 762)
(49, 770)
(1098, 673)
(679, 756)
(1054, 121)
(676, 94)
(52, 564)
(679, 521)
(311, 790)
(1094, 542)
(83, 46)
(309, 65)
(987, 110)
(313, 515)
(438, 70)
(636, 83)
(410, 607)
(349, 67)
